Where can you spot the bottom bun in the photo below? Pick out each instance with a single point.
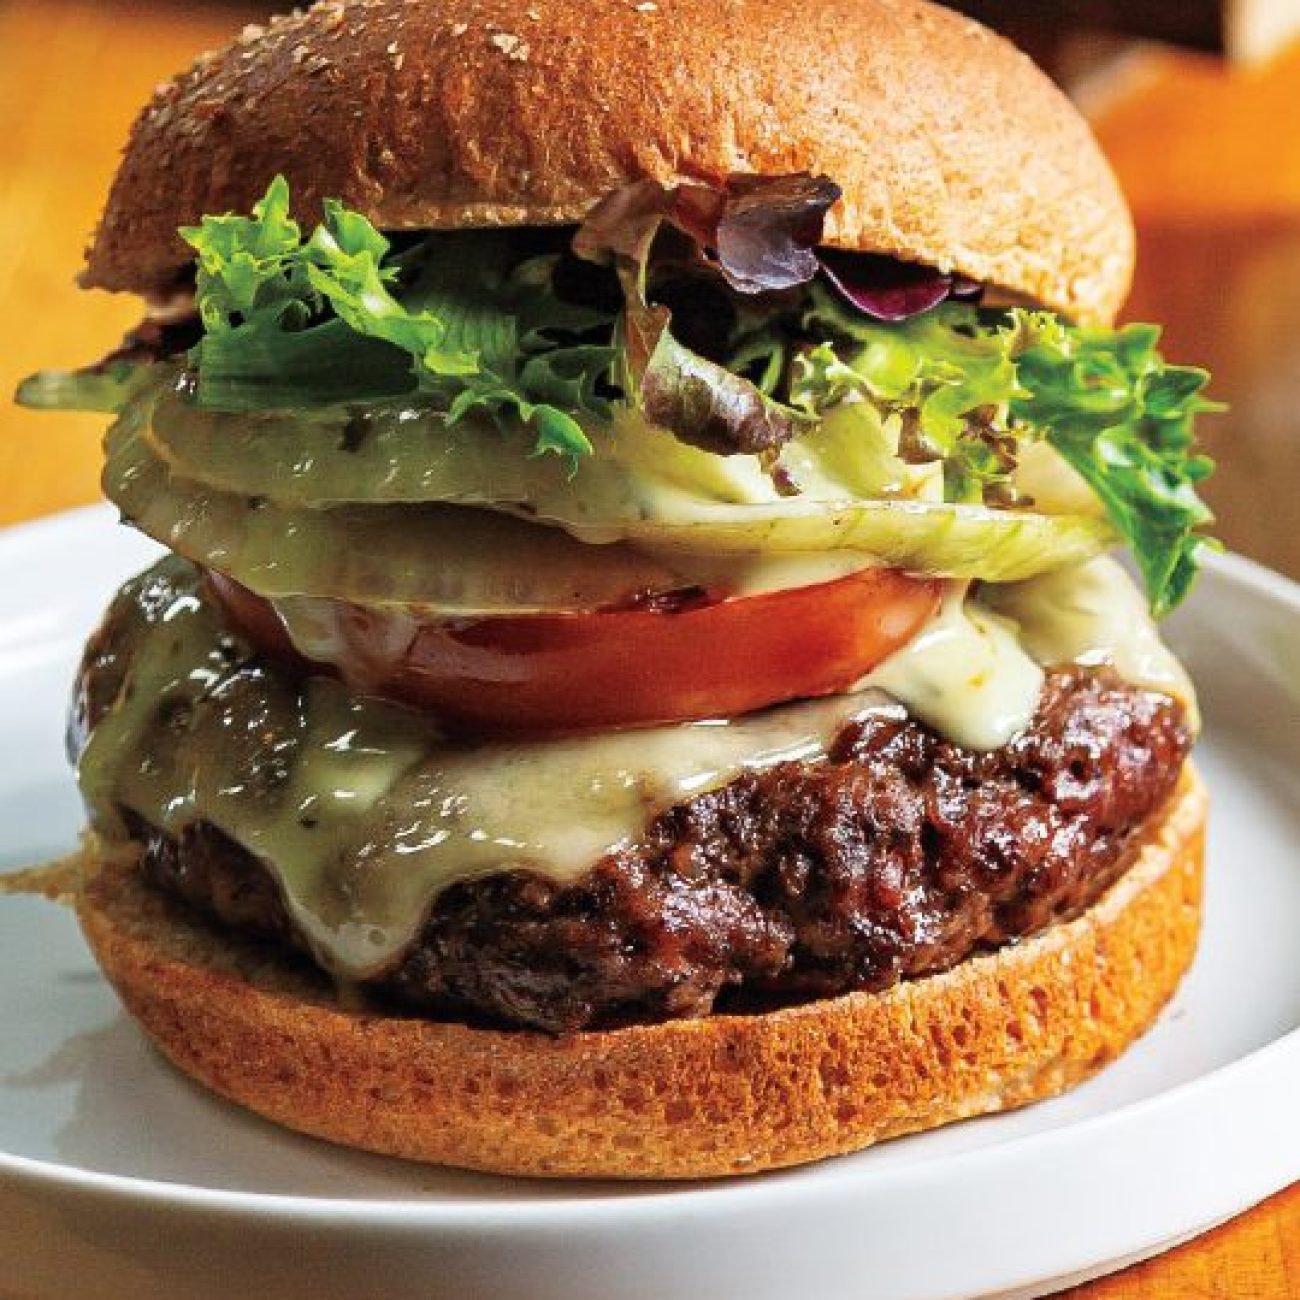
(728, 1094)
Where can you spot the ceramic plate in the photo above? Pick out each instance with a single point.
(121, 1181)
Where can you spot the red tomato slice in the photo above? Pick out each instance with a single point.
(549, 674)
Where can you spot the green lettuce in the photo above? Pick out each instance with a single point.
(1123, 418)
(302, 321)
(104, 388)
(974, 386)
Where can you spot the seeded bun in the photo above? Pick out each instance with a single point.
(686, 1099)
(951, 147)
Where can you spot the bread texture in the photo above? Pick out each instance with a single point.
(685, 1099)
(951, 147)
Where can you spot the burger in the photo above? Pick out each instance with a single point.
(637, 686)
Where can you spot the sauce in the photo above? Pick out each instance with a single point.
(1093, 614)
(966, 675)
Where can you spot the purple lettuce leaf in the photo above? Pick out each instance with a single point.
(757, 232)
(701, 402)
(889, 290)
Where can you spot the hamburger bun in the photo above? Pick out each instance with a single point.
(684, 1099)
(951, 147)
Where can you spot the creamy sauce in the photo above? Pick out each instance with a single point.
(966, 675)
(1094, 614)
(318, 630)
(975, 673)
(364, 814)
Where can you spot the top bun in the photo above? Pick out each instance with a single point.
(951, 147)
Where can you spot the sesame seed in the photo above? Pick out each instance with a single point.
(512, 46)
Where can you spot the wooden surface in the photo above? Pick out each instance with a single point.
(1215, 178)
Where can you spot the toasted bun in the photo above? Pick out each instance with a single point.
(951, 147)
(693, 1098)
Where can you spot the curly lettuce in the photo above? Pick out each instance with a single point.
(977, 385)
(295, 321)
(1122, 417)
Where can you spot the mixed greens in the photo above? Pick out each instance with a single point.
(293, 322)
(709, 311)
(975, 387)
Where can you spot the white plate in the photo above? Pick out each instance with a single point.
(118, 1179)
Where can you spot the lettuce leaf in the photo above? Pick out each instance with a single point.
(702, 402)
(1123, 418)
(106, 389)
(758, 234)
(889, 290)
(977, 385)
(110, 383)
(334, 317)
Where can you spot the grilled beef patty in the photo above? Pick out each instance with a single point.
(896, 857)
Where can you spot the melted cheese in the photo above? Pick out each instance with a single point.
(966, 675)
(364, 814)
(1093, 614)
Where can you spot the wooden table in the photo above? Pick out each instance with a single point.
(1215, 183)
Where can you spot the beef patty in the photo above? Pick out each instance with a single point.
(896, 857)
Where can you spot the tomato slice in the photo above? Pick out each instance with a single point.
(551, 674)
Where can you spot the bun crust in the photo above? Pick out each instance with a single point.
(686, 1099)
(951, 147)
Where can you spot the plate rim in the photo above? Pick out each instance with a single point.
(695, 1197)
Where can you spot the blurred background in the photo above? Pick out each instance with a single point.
(1197, 103)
